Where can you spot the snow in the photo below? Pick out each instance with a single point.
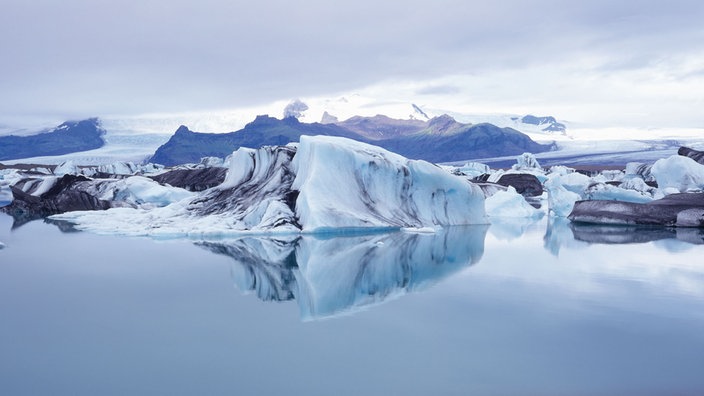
(678, 174)
(341, 185)
(509, 203)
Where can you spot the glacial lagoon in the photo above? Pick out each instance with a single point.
(523, 307)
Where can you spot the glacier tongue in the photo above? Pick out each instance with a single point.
(321, 184)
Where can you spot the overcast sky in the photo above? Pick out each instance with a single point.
(637, 63)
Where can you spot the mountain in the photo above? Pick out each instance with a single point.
(381, 127)
(441, 139)
(69, 137)
(186, 146)
(551, 124)
(451, 141)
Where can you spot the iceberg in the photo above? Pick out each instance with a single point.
(322, 184)
(675, 210)
(678, 173)
(510, 203)
(348, 184)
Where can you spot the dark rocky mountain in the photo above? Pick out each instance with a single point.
(464, 143)
(186, 146)
(441, 139)
(69, 137)
(381, 127)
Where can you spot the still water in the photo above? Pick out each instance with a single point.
(515, 308)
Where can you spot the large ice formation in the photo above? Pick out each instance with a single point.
(321, 184)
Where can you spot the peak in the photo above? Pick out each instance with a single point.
(262, 120)
(183, 129)
(441, 120)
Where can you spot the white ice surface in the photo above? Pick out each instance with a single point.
(347, 184)
(509, 203)
(678, 173)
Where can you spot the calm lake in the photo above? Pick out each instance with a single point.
(515, 308)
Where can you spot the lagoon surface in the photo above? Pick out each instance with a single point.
(517, 308)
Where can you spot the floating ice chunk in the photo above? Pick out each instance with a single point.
(119, 168)
(607, 192)
(210, 162)
(145, 192)
(678, 172)
(510, 203)
(347, 184)
(640, 170)
(560, 200)
(575, 182)
(527, 161)
(67, 168)
(473, 169)
(36, 186)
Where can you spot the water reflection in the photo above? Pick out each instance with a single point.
(330, 276)
(558, 235)
(605, 234)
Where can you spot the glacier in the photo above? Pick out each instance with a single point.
(319, 185)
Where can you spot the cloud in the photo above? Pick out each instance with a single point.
(81, 57)
(295, 109)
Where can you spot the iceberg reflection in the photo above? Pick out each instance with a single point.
(620, 234)
(333, 275)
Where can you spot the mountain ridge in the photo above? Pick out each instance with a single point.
(440, 139)
(69, 137)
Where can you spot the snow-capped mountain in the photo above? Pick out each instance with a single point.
(136, 138)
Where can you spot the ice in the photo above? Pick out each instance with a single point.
(67, 168)
(5, 195)
(607, 192)
(560, 199)
(509, 203)
(333, 183)
(473, 169)
(119, 168)
(144, 192)
(347, 184)
(37, 186)
(527, 161)
(678, 173)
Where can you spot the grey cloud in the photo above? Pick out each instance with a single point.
(439, 90)
(81, 56)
